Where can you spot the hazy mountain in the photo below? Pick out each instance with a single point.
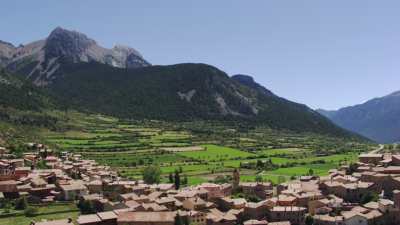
(41, 60)
(377, 119)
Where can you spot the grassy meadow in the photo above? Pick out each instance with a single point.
(49, 212)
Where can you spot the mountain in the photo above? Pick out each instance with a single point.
(23, 107)
(377, 119)
(19, 94)
(181, 92)
(71, 71)
(41, 60)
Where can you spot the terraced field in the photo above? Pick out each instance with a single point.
(214, 152)
(201, 150)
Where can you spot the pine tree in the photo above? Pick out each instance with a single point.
(177, 180)
(178, 220)
(185, 180)
(21, 204)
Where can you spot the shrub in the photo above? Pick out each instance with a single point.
(152, 174)
(30, 211)
(21, 204)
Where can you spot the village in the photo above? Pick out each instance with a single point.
(363, 193)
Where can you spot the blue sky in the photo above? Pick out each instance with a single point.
(326, 54)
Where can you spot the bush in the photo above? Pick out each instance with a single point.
(21, 204)
(152, 174)
(30, 211)
(86, 207)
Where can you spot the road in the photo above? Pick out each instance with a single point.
(375, 151)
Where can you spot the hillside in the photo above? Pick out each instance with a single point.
(20, 94)
(377, 119)
(69, 71)
(23, 109)
(181, 92)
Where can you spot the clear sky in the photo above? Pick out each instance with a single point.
(326, 54)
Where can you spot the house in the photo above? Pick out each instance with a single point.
(369, 217)
(91, 219)
(20, 172)
(215, 190)
(146, 218)
(154, 207)
(395, 161)
(286, 200)
(185, 194)
(216, 217)
(229, 203)
(194, 204)
(108, 218)
(73, 190)
(197, 217)
(255, 210)
(315, 205)
(169, 202)
(127, 196)
(255, 222)
(17, 162)
(280, 223)
(6, 168)
(370, 158)
(259, 189)
(9, 188)
(385, 205)
(95, 186)
(328, 220)
(56, 222)
(294, 214)
(396, 198)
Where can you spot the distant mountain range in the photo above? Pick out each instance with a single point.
(377, 119)
(76, 73)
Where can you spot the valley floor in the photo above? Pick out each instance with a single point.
(203, 151)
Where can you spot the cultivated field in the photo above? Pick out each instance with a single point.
(201, 150)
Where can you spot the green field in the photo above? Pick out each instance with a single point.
(282, 151)
(214, 152)
(129, 146)
(50, 212)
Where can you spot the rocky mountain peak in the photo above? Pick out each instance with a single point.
(62, 42)
(7, 44)
(42, 61)
(6, 52)
(125, 49)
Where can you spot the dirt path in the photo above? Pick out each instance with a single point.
(376, 151)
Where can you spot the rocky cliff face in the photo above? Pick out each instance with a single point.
(6, 52)
(41, 61)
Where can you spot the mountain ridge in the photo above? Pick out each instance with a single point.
(78, 74)
(181, 92)
(377, 119)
